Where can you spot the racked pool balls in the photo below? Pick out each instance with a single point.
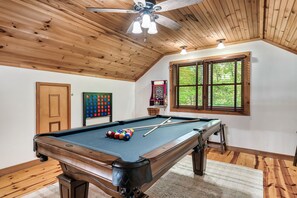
(122, 134)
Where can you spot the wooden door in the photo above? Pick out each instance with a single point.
(52, 107)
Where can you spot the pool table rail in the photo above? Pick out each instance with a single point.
(83, 165)
(53, 147)
(80, 163)
(163, 158)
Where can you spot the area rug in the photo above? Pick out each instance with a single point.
(220, 180)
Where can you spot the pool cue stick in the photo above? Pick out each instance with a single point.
(150, 131)
(172, 123)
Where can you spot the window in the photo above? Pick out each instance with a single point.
(212, 85)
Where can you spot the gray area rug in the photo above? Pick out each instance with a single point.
(221, 180)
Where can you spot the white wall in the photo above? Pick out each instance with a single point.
(17, 106)
(272, 125)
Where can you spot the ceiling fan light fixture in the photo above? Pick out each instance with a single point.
(146, 10)
(146, 20)
(153, 28)
(221, 44)
(136, 28)
(184, 50)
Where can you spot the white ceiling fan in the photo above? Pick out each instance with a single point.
(147, 17)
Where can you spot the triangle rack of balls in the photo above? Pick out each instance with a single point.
(122, 134)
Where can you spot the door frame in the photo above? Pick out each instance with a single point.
(38, 85)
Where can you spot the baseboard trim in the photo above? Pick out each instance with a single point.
(19, 167)
(253, 152)
(262, 153)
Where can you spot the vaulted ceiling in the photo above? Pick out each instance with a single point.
(61, 35)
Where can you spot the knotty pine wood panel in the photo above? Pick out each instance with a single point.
(63, 36)
(281, 23)
(61, 41)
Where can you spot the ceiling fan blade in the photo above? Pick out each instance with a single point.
(140, 2)
(92, 9)
(175, 4)
(169, 23)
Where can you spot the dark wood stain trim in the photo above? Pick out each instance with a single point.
(214, 46)
(261, 18)
(212, 58)
(235, 85)
(264, 21)
(235, 157)
(177, 88)
(257, 162)
(261, 153)
(207, 65)
(280, 46)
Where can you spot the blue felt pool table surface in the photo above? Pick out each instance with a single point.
(95, 137)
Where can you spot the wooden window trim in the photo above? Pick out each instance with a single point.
(191, 109)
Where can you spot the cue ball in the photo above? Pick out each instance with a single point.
(109, 133)
(169, 121)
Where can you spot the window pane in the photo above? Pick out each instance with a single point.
(238, 80)
(200, 96)
(187, 75)
(200, 74)
(187, 95)
(223, 72)
(238, 96)
(223, 96)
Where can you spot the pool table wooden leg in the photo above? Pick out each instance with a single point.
(71, 188)
(199, 160)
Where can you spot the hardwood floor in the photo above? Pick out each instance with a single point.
(29, 180)
(280, 176)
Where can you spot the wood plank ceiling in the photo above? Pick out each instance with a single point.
(56, 35)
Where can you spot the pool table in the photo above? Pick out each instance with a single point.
(124, 168)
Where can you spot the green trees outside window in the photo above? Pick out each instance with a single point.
(212, 85)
